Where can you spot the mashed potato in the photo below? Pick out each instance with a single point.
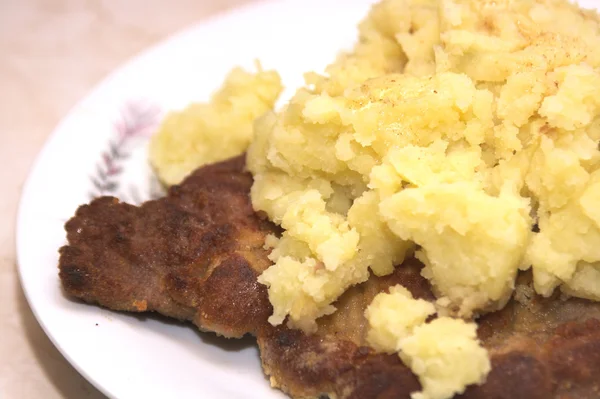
(464, 130)
(446, 356)
(445, 353)
(211, 132)
(457, 126)
(393, 316)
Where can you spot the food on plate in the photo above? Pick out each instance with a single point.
(454, 149)
(189, 255)
(196, 254)
(475, 122)
(453, 127)
(194, 136)
(445, 354)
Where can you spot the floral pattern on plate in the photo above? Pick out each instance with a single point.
(115, 173)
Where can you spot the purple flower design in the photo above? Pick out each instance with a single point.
(137, 120)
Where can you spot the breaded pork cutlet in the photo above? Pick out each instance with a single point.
(196, 253)
(192, 255)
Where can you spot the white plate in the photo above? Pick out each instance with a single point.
(100, 148)
(136, 357)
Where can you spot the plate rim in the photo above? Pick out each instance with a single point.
(93, 91)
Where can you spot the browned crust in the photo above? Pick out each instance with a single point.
(185, 255)
(311, 366)
(555, 359)
(195, 255)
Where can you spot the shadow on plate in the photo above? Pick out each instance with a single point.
(67, 381)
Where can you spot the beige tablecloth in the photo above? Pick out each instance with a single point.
(51, 53)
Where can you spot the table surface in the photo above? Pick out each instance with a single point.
(52, 52)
